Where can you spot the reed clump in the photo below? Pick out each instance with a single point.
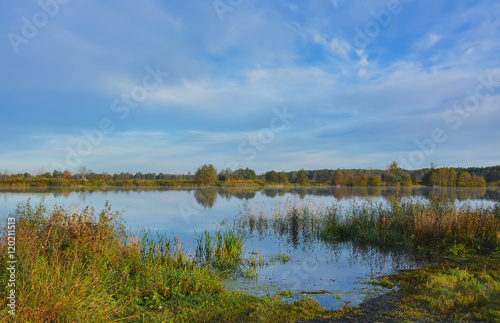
(222, 251)
(417, 223)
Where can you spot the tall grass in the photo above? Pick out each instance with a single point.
(297, 222)
(221, 251)
(417, 223)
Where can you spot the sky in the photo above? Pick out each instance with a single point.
(167, 86)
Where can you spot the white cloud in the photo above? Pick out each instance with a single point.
(335, 46)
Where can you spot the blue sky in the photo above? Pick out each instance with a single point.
(166, 86)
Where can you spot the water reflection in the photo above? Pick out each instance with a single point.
(207, 197)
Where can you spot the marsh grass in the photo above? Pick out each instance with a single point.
(78, 265)
(298, 223)
(222, 251)
(417, 223)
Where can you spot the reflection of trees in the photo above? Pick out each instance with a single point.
(452, 194)
(374, 191)
(271, 192)
(238, 192)
(206, 196)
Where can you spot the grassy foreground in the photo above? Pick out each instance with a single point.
(76, 265)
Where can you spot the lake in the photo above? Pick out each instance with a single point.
(332, 273)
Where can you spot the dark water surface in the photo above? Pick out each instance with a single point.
(332, 273)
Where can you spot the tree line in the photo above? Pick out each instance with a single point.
(393, 175)
(207, 174)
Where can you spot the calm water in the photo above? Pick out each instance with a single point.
(322, 270)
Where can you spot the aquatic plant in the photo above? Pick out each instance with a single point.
(221, 251)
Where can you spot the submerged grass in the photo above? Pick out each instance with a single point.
(77, 265)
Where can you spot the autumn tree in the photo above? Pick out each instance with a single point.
(338, 178)
(206, 175)
(375, 180)
(67, 174)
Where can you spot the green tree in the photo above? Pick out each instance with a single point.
(206, 175)
(271, 177)
(238, 175)
(302, 177)
(397, 175)
(250, 174)
(282, 178)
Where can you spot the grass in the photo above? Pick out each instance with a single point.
(458, 288)
(222, 251)
(79, 265)
(297, 222)
(417, 224)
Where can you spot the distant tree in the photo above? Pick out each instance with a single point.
(443, 177)
(125, 176)
(282, 178)
(360, 180)
(375, 180)
(338, 178)
(292, 177)
(272, 177)
(67, 174)
(83, 171)
(238, 174)
(206, 175)
(222, 176)
(225, 174)
(322, 176)
(302, 177)
(397, 175)
(478, 180)
(250, 174)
